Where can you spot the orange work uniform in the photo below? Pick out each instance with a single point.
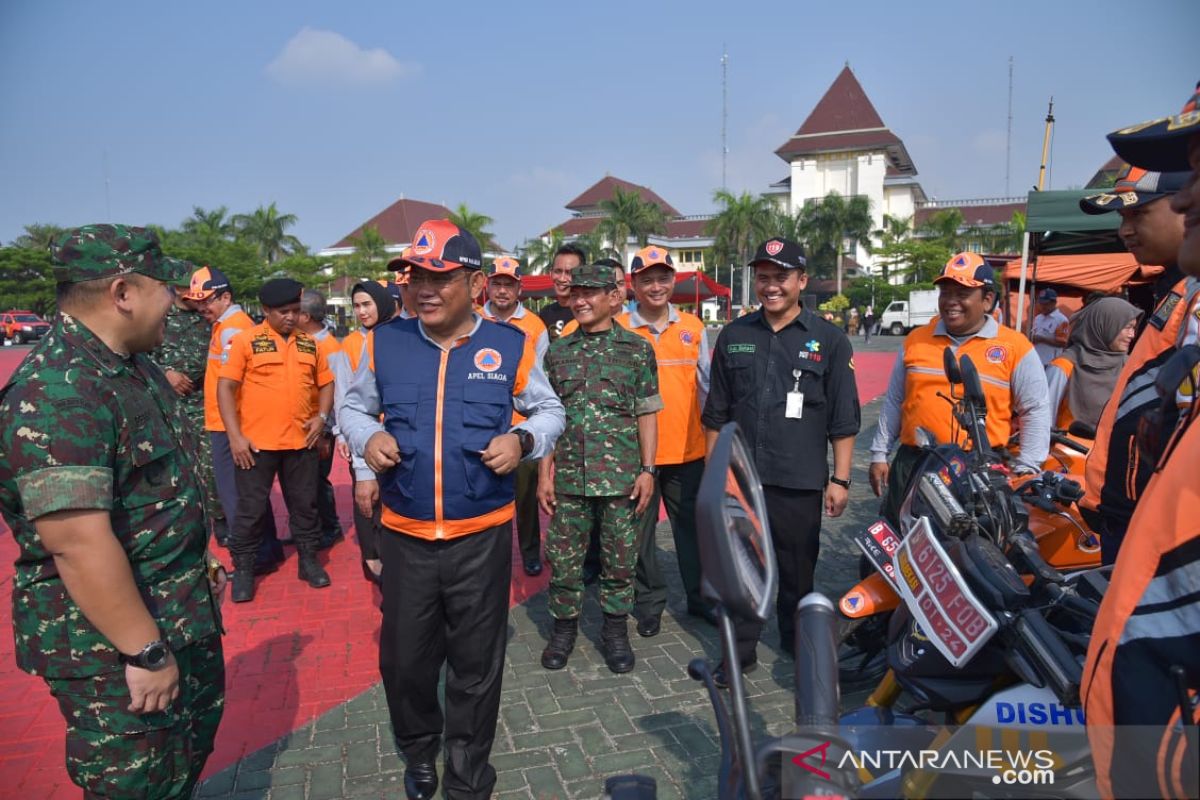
(280, 379)
(231, 323)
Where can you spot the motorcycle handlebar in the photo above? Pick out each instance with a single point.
(1032, 555)
(816, 662)
(1049, 655)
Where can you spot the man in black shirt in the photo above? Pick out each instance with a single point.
(787, 378)
(557, 314)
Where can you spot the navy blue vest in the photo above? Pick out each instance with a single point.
(472, 385)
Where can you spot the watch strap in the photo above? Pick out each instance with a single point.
(845, 484)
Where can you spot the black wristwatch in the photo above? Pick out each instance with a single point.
(153, 656)
(845, 484)
(649, 470)
(527, 441)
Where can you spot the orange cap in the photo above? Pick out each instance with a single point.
(968, 269)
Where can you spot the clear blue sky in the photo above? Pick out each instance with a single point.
(335, 110)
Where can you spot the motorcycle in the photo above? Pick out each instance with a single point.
(955, 487)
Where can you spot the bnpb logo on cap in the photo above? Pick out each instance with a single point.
(773, 247)
(425, 242)
(487, 360)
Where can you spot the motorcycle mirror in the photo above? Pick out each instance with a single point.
(737, 559)
(951, 366)
(972, 386)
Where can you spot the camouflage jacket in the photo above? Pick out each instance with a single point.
(185, 349)
(84, 428)
(606, 381)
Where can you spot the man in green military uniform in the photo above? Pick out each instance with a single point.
(183, 356)
(115, 602)
(602, 468)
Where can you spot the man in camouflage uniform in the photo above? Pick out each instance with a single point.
(602, 468)
(113, 598)
(183, 357)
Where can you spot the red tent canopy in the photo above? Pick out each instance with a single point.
(690, 287)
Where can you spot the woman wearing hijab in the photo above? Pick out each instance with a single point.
(373, 304)
(1081, 380)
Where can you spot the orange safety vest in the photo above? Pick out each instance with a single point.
(1065, 417)
(353, 346)
(995, 358)
(677, 350)
(1146, 625)
(217, 345)
(1160, 335)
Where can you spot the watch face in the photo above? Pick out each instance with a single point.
(155, 655)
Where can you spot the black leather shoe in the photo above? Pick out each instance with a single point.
(533, 567)
(420, 780)
(311, 571)
(562, 642)
(242, 590)
(649, 626)
(614, 638)
(721, 679)
(706, 613)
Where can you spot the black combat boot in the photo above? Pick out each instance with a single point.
(618, 654)
(562, 642)
(242, 590)
(312, 571)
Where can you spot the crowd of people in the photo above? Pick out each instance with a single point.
(155, 418)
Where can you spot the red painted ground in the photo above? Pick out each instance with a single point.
(291, 655)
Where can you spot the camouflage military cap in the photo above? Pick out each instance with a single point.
(100, 251)
(593, 276)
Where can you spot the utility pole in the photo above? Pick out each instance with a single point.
(1008, 138)
(1046, 145)
(724, 113)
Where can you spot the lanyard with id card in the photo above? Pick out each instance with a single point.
(795, 399)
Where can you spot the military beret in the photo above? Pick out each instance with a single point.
(593, 276)
(103, 250)
(280, 292)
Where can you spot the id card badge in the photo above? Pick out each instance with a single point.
(795, 399)
(795, 405)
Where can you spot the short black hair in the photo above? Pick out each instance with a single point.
(571, 249)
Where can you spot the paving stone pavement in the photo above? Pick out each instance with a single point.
(560, 734)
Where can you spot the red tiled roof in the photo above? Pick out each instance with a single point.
(1105, 175)
(398, 222)
(604, 189)
(676, 228)
(844, 107)
(975, 214)
(834, 142)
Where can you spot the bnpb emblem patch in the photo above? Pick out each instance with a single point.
(487, 360)
(424, 242)
(773, 247)
(686, 337)
(996, 354)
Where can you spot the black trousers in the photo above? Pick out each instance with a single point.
(369, 529)
(446, 602)
(326, 504)
(795, 519)
(529, 526)
(225, 474)
(677, 485)
(297, 471)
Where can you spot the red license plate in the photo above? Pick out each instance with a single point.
(879, 544)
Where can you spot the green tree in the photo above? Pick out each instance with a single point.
(27, 279)
(539, 252)
(369, 246)
(947, 227)
(209, 225)
(592, 243)
(266, 229)
(476, 224)
(627, 216)
(38, 236)
(831, 226)
(741, 224)
(239, 260)
(895, 231)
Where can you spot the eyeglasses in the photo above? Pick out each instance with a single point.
(434, 280)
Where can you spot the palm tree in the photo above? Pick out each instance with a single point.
(266, 229)
(209, 225)
(895, 231)
(627, 216)
(474, 223)
(831, 224)
(946, 226)
(539, 252)
(742, 222)
(592, 243)
(369, 245)
(38, 236)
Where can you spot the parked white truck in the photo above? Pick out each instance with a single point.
(901, 316)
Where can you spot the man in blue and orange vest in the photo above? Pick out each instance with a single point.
(1141, 682)
(1014, 382)
(446, 383)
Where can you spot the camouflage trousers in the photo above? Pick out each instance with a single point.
(194, 413)
(567, 543)
(112, 752)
